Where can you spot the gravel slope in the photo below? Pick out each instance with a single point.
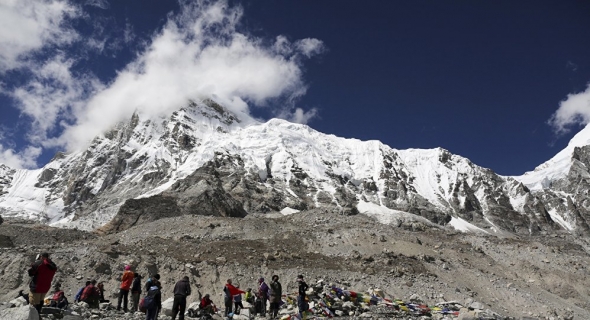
(537, 277)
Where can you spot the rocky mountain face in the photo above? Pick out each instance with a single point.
(205, 160)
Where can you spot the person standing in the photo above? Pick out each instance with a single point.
(126, 281)
(153, 281)
(182, 289)
(275, 296)
(238, 302)
(301, 303)
(42, 272)
(230, 291)
(153, 307)
(262, 296)
(135, 292)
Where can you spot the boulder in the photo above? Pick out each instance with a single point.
(477, 306)
(470, 315)
(167, 306)
(19, 302)
(20, 313)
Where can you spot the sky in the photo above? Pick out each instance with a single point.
(503, 83)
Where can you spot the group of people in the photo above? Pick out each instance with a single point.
(43, 270)
(271, 293)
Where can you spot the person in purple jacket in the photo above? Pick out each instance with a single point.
(262, 295)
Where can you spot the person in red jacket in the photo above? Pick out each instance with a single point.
(126, 281)
(207, 305)
(42, 272)
(91, 295)
(229, 292)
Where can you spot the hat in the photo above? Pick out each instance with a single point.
(127, 267)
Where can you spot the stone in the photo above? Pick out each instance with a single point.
(477, 306)
(167, 306)
(469, 315)
(21, 313)
(18, 302)
(269, 256)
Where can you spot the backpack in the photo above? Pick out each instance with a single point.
(149, 301)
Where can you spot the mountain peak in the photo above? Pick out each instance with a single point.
(557, 167)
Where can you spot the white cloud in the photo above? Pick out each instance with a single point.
(19, 160)
(29, 25)
(198, 53)
(299, 115)
(52, 95)
(575, 110)
(310, 47)
(103, 4)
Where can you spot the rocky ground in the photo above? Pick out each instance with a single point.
(544, 277)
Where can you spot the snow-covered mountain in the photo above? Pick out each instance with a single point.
(203, 159)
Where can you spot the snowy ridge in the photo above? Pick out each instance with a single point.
(557, 167)
(295, 165)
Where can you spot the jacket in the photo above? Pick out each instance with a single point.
(126, 280)
(231, 291)
(136, 286)
(205, 303)
(42, 272)
(303, 288)
(182, 289)
(78, 296)
(154, 291)
(276, 291)
(263, 290)
(90, 293)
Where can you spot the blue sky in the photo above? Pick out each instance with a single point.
(499, 82)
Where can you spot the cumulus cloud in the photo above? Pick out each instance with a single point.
(198, 53)
(29, 25)
(574, 110)
(52, 95)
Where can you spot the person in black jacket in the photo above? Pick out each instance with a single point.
(135, 292)
(302, 305)
(182, 289)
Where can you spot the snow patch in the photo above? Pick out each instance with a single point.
(559, 219)
(464, 226)
(389, 216)
(288, 211)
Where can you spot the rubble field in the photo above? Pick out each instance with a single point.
(415, 266)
